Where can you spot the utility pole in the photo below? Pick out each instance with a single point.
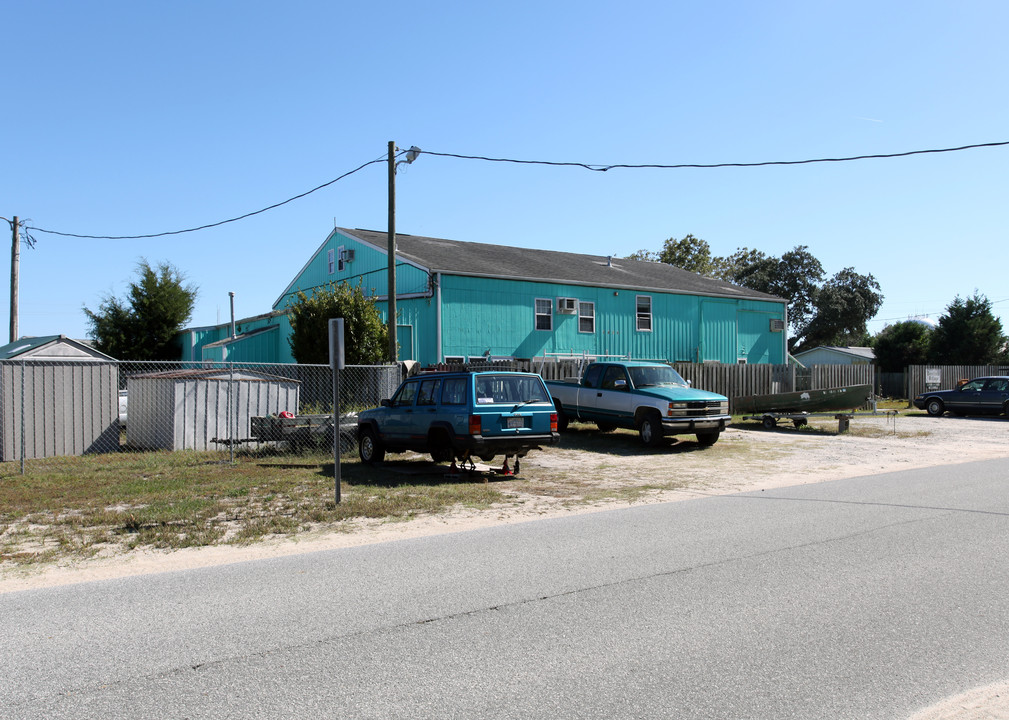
(393, 345)
(412, 154)
(15, 260)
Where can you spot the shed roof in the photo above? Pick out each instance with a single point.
(51, 347)
(502, 261)
(862, 353)
(241, 336)
(212, 374)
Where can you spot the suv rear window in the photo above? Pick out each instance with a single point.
(509, 389)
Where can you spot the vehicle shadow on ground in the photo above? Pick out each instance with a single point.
(954, 417)
(622, 442)
(405, 471)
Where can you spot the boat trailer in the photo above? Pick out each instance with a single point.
(311, 431)
(800, 419)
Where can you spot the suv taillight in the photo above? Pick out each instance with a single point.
(474, 425)
(553, 422)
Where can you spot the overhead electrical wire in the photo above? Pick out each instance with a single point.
(215, 224)
(552, 163)
(680, 166)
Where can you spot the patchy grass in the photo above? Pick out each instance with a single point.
(86, 506)
(72, 508)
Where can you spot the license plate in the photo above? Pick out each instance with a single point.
(515, 422)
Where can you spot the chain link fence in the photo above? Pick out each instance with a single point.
(53, 409)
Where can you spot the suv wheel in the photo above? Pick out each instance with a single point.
(369, 447)
(441, 447)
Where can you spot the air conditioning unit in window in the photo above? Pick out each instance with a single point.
(567, 306)
(777, 325)
(347, 255)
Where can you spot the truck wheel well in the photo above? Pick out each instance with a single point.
(641, 413)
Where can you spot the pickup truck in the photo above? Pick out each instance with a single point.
(651, 398)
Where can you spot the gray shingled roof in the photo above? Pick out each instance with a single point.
(502, 261)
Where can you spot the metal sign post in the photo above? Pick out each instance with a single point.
(336, 364)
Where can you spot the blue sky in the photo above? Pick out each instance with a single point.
(127, 118)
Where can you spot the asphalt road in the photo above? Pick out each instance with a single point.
(862, 598)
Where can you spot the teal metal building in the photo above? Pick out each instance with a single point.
(459, 301)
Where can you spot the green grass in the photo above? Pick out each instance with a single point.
(83, 506)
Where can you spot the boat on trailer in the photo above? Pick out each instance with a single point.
(833, 399)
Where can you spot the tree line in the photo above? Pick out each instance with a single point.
(821, 310)
(968, 333)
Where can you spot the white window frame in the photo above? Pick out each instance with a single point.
(587, 311)
(340, 255)
(331, 260)
(549, 314)
(639, 316)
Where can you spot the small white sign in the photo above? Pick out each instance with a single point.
(933, 376)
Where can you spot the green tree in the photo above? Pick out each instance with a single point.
(901, 344)
(733, 267)
(795, 276)
(145, 324)
(690, 253)
(968, 334)
(843, 308)
(366, 337)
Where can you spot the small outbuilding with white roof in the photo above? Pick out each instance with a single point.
(58, 396)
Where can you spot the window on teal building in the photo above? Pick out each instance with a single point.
(644, 313)
(586, 317)
(544, 313)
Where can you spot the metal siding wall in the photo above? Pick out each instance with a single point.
(67, 408)
(718, 331)
(202, 409)
(481, 315)
(370, 267)
(420, 313)
(757, 344)
(8, 429)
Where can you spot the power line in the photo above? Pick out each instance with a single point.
(216, 224)
(604, 168)
(552, 163)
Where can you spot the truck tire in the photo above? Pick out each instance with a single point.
(708, 438)
(650, 429)
(369, 447)
(562, 417)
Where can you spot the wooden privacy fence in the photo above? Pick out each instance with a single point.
(945, 377)
(730, 380)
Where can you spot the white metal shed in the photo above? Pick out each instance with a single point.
(189, 409)
(58, 397)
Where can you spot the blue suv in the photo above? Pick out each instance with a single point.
(461, 415)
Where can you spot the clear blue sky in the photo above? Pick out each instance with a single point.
(130, 118)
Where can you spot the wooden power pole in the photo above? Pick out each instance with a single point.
(393, 345)
(15, 259)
